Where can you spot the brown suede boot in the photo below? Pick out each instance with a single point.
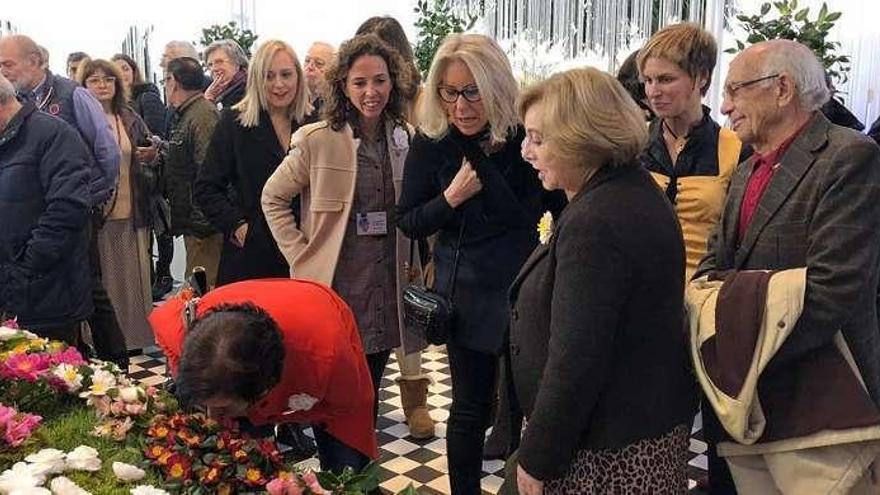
(414, 397)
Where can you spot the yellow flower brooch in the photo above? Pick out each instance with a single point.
(545, 228)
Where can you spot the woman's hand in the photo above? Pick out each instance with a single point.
(146, 154)
(526, 484)
(464, 185)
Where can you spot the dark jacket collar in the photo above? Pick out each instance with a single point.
(188, 103)
(604, 174)
(14, 126)
(700, 153)
(140, 89)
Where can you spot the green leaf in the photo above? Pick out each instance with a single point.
(802, 15)
(833, 16)
(823, 12)
(765, 9)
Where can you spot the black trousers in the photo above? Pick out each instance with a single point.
(377, 363)
(106, 333)
(65, 332)
(165, 245)
(720, 479)
(474, 376)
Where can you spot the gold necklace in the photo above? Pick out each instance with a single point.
(678, 143)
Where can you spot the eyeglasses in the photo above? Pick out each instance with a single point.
(450, 94)
(731, 88)
(96, 80)
(315, 62)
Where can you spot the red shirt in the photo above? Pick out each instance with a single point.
(762, 172)
(325, 379)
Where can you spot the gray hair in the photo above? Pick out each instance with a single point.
(7, 90)
(182, 49)
(800, 64)
(233, 50)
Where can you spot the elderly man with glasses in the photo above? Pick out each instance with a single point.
(808, 199)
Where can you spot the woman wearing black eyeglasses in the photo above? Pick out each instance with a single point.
(464, 171)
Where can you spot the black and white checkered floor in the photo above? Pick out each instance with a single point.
(405, 460)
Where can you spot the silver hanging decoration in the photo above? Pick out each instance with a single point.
(599, 32)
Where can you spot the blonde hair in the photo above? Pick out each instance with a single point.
(256, 97)
(589, 119)
(686, 45)
(493, 75)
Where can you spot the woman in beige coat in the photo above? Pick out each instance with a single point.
(347, 170)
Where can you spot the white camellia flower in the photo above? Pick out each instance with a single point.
(47, 461)
(83, 458)
(20, 477)
(7, 333)
(102, 381)
(70, 375)
(147, 490)
(64, 486)
(130, 394)
(34, 490)
(127, 472)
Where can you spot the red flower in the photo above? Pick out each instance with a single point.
(155, 451)
(239, 455)
(269, 449)
(189, 438)
(210, 475)
(178, 467)
(254, 477)
(158, 430)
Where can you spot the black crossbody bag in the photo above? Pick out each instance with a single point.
(427, 312)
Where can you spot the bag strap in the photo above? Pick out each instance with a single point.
(456, 256)
(454, 273)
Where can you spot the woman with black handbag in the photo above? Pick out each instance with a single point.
(465, 179)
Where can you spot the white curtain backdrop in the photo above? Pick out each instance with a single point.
(858, 32)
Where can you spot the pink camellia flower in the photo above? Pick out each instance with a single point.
(25, 366)
(117, 407)
(69, 356)
(6, 414)
(135, 409)
(11, 323)
(19, 429)
(101, 405)
(312, 482)
(284, 486)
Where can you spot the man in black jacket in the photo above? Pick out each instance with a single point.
(45, 279)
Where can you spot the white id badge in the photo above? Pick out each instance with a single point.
(372, 223)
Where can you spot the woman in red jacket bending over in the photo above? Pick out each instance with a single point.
(276, 351)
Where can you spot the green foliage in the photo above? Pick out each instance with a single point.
(435, 22)
(350, 482)
(73, 428)
(244, 37)
(795, 24)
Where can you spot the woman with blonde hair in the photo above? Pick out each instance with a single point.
(689, 155)
(124, 241)
(466, 181)
(598, 362)
(249, 142)
(347, 171)
(691, 158)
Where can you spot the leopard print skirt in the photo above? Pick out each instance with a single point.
(650, 466)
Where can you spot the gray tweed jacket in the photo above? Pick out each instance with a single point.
(821, 210)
